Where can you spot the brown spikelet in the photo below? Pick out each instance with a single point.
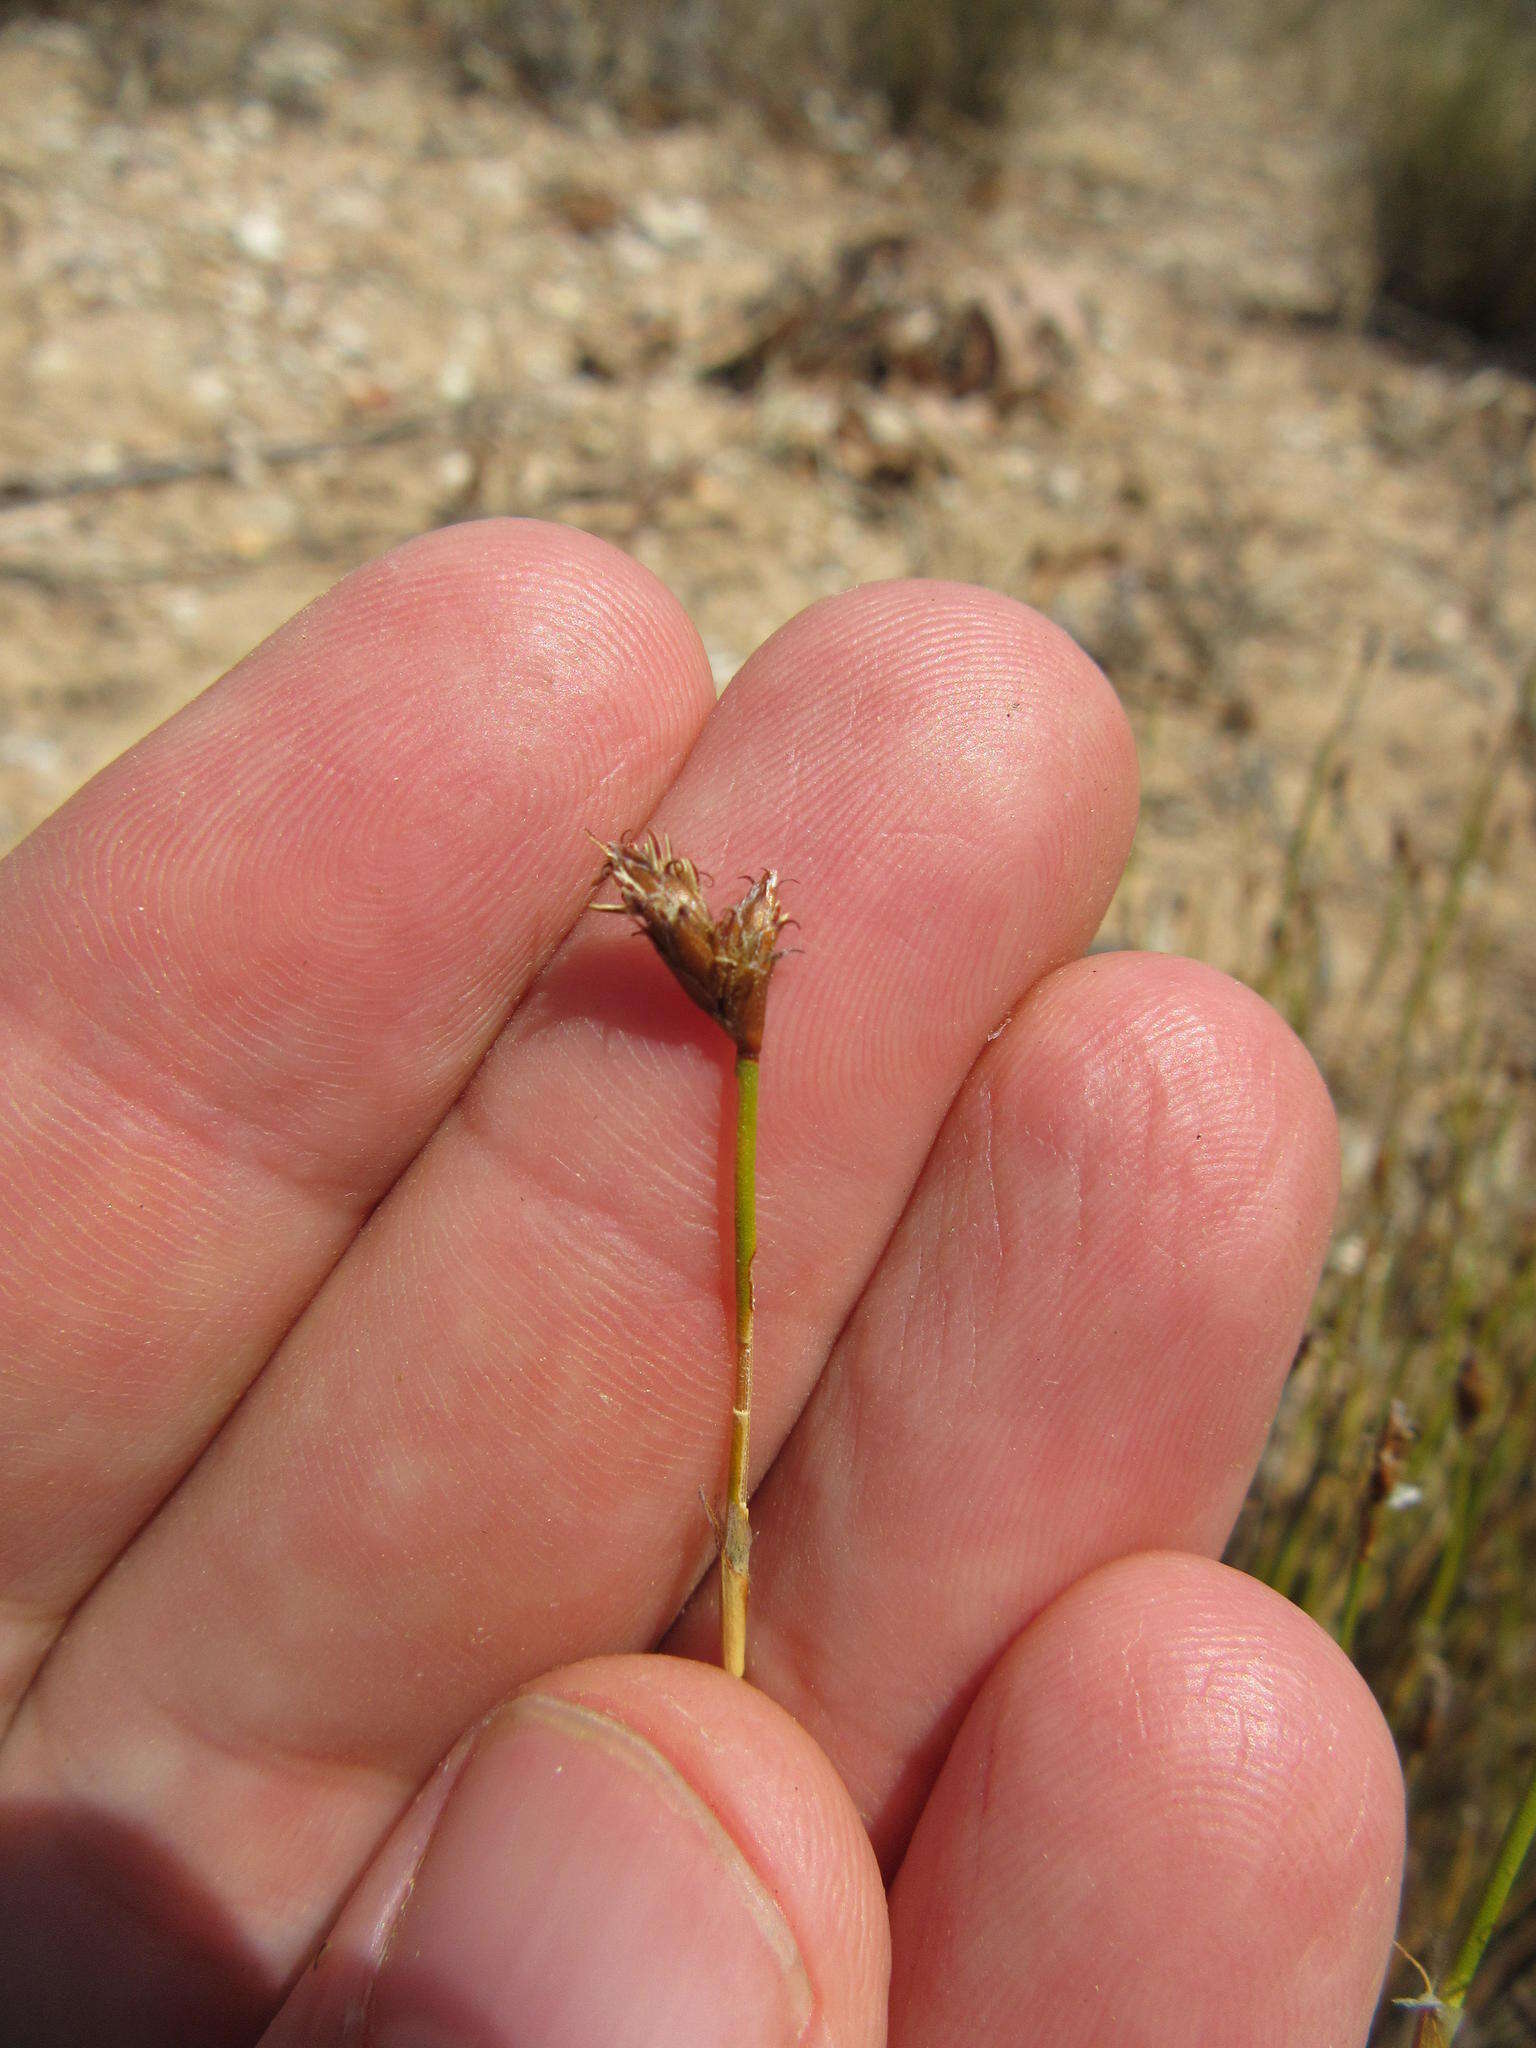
(724, 964)
(1392, 1446)
(1472, 1392)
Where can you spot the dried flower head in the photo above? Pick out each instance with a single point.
(1472, 1393)
(1392, 1447)
(723, 963)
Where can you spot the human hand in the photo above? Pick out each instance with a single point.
(366, 1344)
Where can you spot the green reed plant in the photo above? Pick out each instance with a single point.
(1440, 2010)
(1430, 1300)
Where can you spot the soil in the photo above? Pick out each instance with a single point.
(1115, 365)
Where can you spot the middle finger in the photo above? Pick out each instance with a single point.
(1070, 1350)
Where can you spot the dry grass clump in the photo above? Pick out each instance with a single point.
(1396, 1500)
(906, 61)
(656, 57)
(945, 56)
(916, 58)
(181, 52)
(1447, 93)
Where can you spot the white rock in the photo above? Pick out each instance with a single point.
(208, 390)
(455, 381)
(33, 753)
(260, 234)
(676, 225)
(454, 469)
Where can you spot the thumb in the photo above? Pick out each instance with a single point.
(633, 1850)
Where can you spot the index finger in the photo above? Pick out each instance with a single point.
(247, 969)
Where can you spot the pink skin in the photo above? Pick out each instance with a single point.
(1072, 1349)
(1173, 1816)
(247, 970)
(1024, 1305)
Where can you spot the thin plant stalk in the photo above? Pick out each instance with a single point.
(1386, 1468)
(1472, 833)
(1440, 2018)
(1471, 1404)
(737, 1543)
(1354, 1599)
(1275, 974)
(724, 964)
(1469, 1488)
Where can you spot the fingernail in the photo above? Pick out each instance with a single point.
(578, 1891)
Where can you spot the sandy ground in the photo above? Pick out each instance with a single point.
(1114, 371)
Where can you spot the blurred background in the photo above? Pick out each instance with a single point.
(1209, 329)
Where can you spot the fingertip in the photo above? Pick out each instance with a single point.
(1007, 772)
(1218, 1688)
(500, 662)
(506, 585)
(1265, 1730)
(1163, 1141)
(629, 1850)
(1175, 1789)
(372, 830)
(779, 1798)
(992, 680)
(1178, 1052)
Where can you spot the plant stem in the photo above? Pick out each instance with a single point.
(1349, 1621)
(1438, 2027)
(1274, 975)
(724, 965)
(1501, 1881)
(735, 1548)
(1386, 1468)
(1453, 1556)
(1472, 834)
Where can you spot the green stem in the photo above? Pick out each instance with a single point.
(1501, 1882)
(1472, 833)
(735, 1549)
(1365, 1544)
(1439, 2023)
(1453, 1556)
(1320, 772)
(1349, 1620)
